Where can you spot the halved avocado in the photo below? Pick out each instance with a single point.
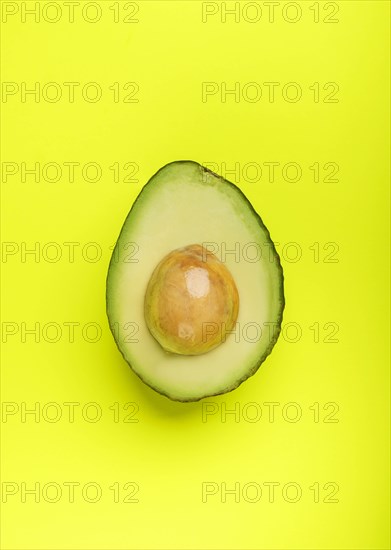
(186, 207)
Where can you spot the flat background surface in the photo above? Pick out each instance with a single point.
(328, 383)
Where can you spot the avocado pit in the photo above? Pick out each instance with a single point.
(191, 301)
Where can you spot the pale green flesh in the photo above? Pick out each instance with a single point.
(181, 205)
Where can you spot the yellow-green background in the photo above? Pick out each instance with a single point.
(170, 451)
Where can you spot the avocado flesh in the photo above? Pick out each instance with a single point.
(184, 203)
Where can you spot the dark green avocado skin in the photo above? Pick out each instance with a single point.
(277, 260)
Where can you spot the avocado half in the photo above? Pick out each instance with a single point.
(182, 204)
